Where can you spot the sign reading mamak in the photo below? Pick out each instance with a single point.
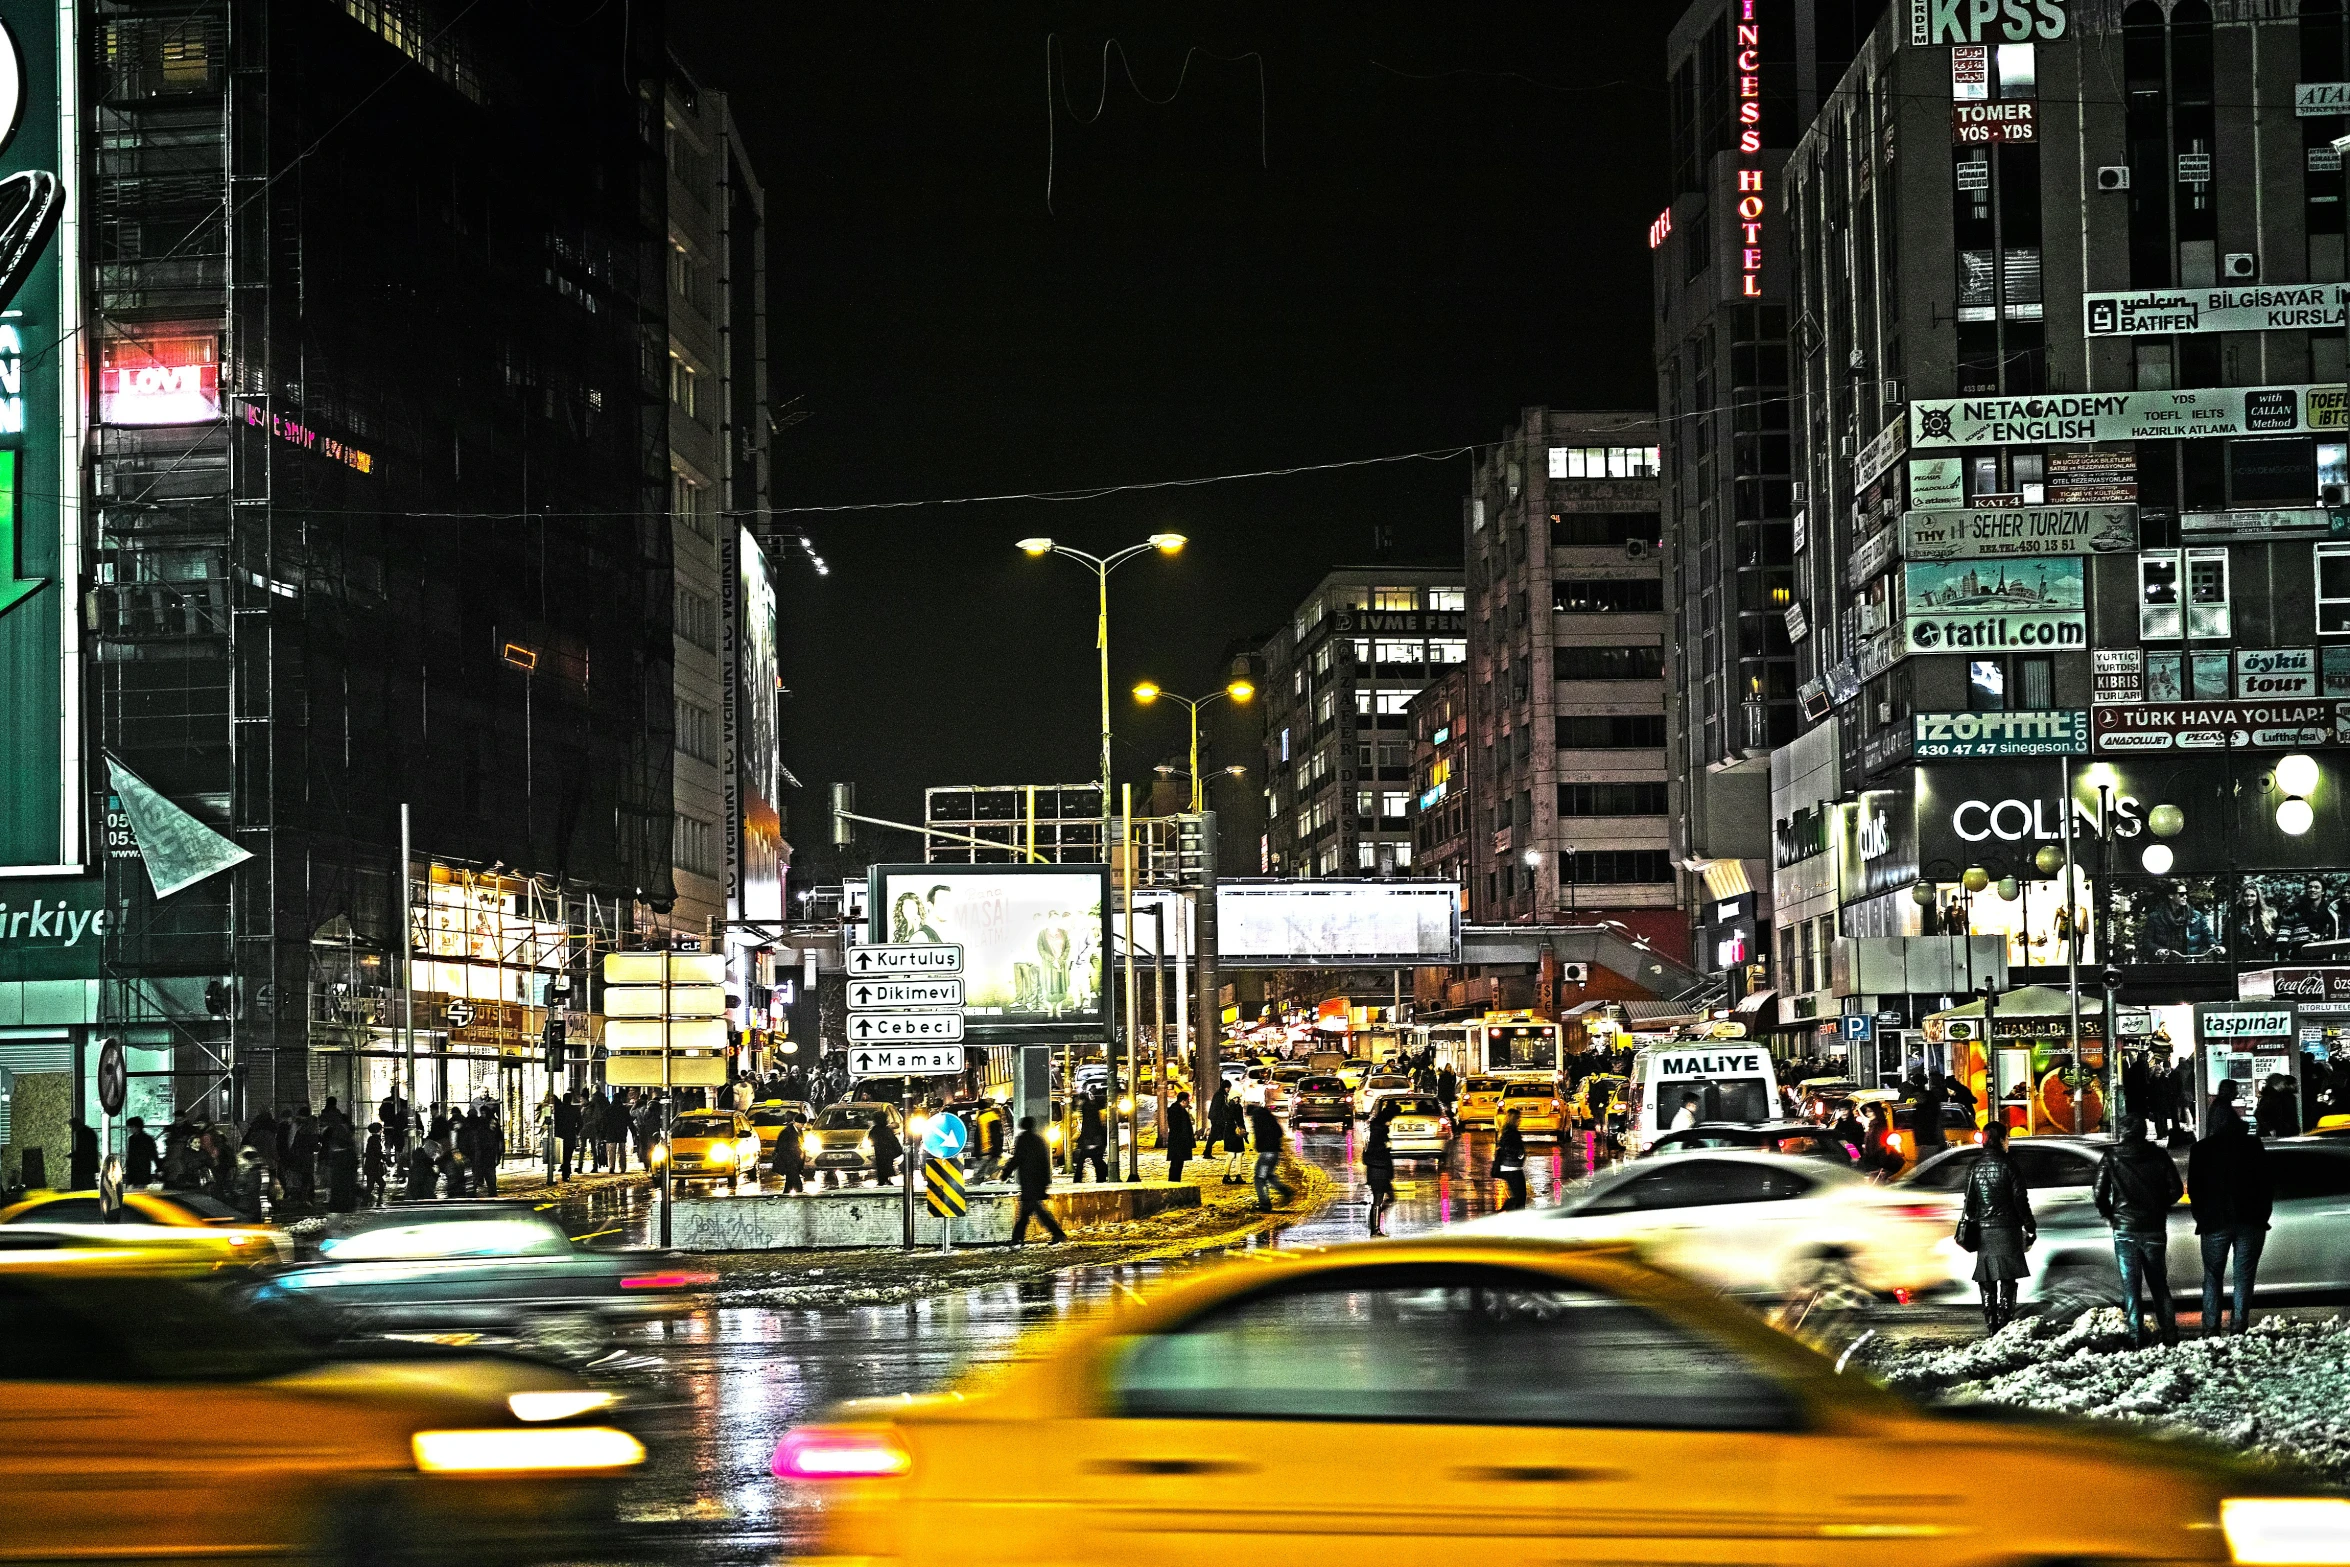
(2125, 416)
(1993, 532)
(2151, 311)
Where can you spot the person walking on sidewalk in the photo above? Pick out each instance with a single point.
(1032, 1167)
(886, 1150)
(567, 1131)
(1267, 1128)
(374, 1165)
(1509, 1162)
(791, 1159)
(2137, 1186)
(1179, 1136)
(1379, 1173)
(1093, 1140)
(2229, 1189)
(550, 1145)
(1996, 1224)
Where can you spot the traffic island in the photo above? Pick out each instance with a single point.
(875, 1216)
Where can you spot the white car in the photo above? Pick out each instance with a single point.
(1376, 1084)
(1266, 1089)
(1749, 1223)
(1418, 1125)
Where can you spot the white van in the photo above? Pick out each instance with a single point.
(1732, 1081)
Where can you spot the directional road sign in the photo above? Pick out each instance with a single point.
(904, 1060)
(946, 1136)
(905, 960)
(889, 995)
(881, 1028)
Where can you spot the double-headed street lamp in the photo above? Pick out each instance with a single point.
(1237, 690)
(1103, 565)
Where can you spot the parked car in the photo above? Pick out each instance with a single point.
(1417, 1125)
(1376, 1084)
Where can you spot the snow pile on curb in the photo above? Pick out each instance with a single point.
(2281, 1391)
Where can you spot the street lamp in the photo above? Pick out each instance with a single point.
(1237, 689)
(1103, 565)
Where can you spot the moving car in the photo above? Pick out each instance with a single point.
(769, 1117)
(1416, 1124)
(1731, 1080)
(1542, 1112)
(842, 1137)
(1323, 1099)
(1528, 1404)
(1268, 1090)
(475, 1267)
(1355, 1069)
(1753, 1224)
(148, 1418)
(187, 1219)
(1479, 1098)
(713, 1145)
(1376, 1084)
(1958, 1121)
(1798, 1138)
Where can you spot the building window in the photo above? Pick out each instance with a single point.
(1615, 867)
(2333, 590)
(684, 386)
(697, 618)
(681, 271)
(696, 845)
(1448, 600)
(692, 503)
(1613, 732)
(1395, 804)
(697, 730)
(1448, 650)
(1395, 598)
(1603, 462)
(1616, 799)
(1607, 663)
(1607, 595)
(1590, 530)
(1412, 653)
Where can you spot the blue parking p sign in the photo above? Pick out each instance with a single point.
(1859, 1028)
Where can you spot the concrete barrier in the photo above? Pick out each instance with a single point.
(874, 1216)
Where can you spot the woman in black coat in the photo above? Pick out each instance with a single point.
(886, 1149)
(1998, 1220)
(1179, 1136)
(1509, 1162)
(1379, 1173)
(791, 1158)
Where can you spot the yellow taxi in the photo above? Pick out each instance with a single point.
(179, 1221)
(148, 1417)
(1479, 1101)
(770, 1116)
(1549, 1405)
(712, 1145)
(1598, 1100)
(1542, 1112)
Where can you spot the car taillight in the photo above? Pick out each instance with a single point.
(668, 1281)
(1893, 1140)
(841, 1453)
(1920, 1210)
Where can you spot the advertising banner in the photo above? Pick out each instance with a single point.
(1995, 533)
(1301, 924)
(2008, 119)
(1877, 847)
(2218, 726)
(2269, 672)
(2030, 605)
(2117, 674)
(1035, 940)
(1870, 556)
(2124, 416)
(2092, 476)
(1936, 482)
(2307, 307)
(2062, 732)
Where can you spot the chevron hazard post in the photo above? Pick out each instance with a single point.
(942, 1184)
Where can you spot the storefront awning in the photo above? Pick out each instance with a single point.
(1755, 1001)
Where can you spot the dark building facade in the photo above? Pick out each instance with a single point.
(407, 546)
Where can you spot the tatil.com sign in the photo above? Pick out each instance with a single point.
(159, 380)
(1035, 940)
(2032, 605)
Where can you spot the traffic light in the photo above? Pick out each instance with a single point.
(558, 1052)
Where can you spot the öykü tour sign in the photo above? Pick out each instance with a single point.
(2030, 605)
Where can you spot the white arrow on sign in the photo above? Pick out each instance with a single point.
(941, 1027)
(905, 959)
(904, 1060)
(874, 995)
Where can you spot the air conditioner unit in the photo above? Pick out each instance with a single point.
(2240, 266)
(1636, 549)
(1574, 973)
(2113, 176)
(1844, 446)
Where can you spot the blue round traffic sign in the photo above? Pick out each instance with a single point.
(946, 1136)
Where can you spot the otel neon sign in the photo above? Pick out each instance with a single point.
(1750, 179)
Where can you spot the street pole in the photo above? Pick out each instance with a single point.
(1133, 996)
(1159, 1018)
(906, 1157)
(1182, 966)
(2113, 976)
(1101, 570)
(2072, 937)
(1199, 790)
(407, 950)
(1991, 1091)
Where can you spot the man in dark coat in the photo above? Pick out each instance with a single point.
(791, 1157)
(1267, 1130)
(886, 1150)
(138, 1156)
(567, 1130)
(2229, 1189)
(1179, 1136)
(1927, 1127)
(84, 1160)
(2137, 1186)
(1509, 1162)
(2278, 1110)
(1093, 1139)
(1032, 1166)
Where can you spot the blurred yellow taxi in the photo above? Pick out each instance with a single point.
(1480, 1100)
(149, 1418)
(713, 1145)
(1542, 1114)
(1547, 1405)
(187, 1221)
(770, 1116)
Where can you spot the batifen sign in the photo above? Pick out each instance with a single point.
(2125, 416)
(2161, 311)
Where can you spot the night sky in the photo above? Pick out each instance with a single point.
(1449, 224)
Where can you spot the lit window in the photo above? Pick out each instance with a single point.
(1395, 803)
(1366, 855)
(2333, 590)
(1454, 600)
(1395, 598)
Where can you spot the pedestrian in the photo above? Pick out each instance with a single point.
(1267, 1129)
(614, 1132)
(591, 1127)
(1846, 1129)
(567, 1129)
(459, 1158)
(550, 1146)
(424, 1171)
(1448, 1087)
(373, 1165)
(84, 1160)
(886, 1149)
(1179, 1136)
(1683, 1118)
(255, 1185)
(2231, 1194)
(1509, 1156)
(1379, 1173)
(138, 1156)
(790, 1159)
(2277, 1113)
(2137, 1186)
(1093, 1139)
(1926, 1123)
(2227, 1094)
(1996, 1224)
(1032, 1166)
(393, 1114)
(342, 1168)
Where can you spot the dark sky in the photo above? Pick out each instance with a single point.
(1449, 224)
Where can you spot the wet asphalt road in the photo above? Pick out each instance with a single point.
(714, 1391)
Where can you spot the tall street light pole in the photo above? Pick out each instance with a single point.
(1237, 690)
(1102, 566)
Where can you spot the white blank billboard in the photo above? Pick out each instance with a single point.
(1305, 924)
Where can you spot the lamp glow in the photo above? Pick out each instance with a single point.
(1976, 878)
(1240, 690)
(2294, 817)
(1037, 546)
(2166, 821)
(2297, 774)
(1167, 543)
(2157, 859)
(1148, 691)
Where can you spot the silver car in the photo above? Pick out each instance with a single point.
(2307, 1255)
(841, 1140)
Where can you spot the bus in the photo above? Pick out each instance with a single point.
(1516, 1042)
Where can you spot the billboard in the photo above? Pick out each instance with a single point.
(1996, 533)
(1308, 924)
(2031, 605)
(752, 729)
(2124, 416)
(2302, 307)
(1035, 940)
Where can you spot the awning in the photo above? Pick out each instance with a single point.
(1755, 1001)
(1726, 879)
(1659, 1012)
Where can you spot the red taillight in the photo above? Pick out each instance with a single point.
(841, 1453)
(1921, 1210)
(1893, 1140)
(668, 1281)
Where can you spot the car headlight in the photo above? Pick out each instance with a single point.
(811, 1145)
(865, 1146)
(720, 1153)
(560, 1405)
(1052, 1134)
(529, 1450)
(2286, 1529)
(660, 1153)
